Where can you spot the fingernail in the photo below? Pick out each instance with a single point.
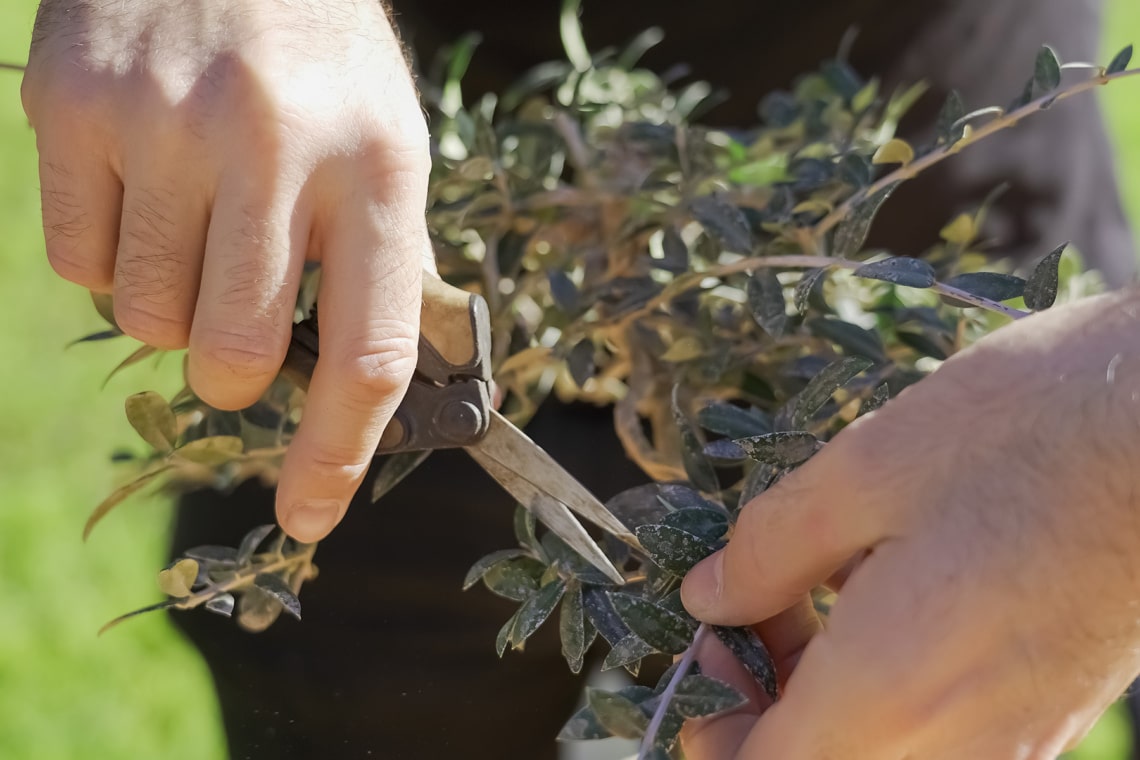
(312, 520)
(700, 591)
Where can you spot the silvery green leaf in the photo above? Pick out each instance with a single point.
(535, 610)
(724, 451)
(279, 590)
(619, 715)
(697, 466)
(480, 568)
(1119, 62)
(709, 525)
(223, 605)
(221, 555)
(993, 286)
(504, 636)
(658, 627)
(251, 541)
(765, 297)
(572, 627)
(752, 654)
(804, 288)
(602, 615)
(878, 398)
(626, 652)
(699, 696)
(729, 420)
(673, 549)
(851, 233)
(525, 526)
(1047, 69)
(784, 449)
(516, 579)
(580, 361)
(396, 467)
(676, 253)
(563, 291)
(852, 338)
(817, 393)
(1041, 289)
(899, 270)
(724, 222)
(637, 506)
(953, 109)
(582, 726)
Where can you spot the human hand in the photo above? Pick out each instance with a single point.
(195, 153)
(982, 528)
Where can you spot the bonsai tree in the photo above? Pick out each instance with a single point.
(714, 287)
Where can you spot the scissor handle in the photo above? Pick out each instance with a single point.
(448, 402)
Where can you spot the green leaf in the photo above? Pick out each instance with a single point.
(993, 286)
(572, 41)
(214, 555)
(119, 495)
(881, 395)
(852, 338)
(484, 564)
(709, 525)
(504, 636)
(153, 419)
(724, 222)
(580, 361)
(833, 377)
(806, 286)
(766, 301)
(672, 549)
(251, 540)
(1119, 62)
(1041, 289)
(697, 466)
(136, 356)
(661, 629)
(535, 610)
(757, 482)
(583, 726)
(279, 590)
(1047, 69)
(627, 652)
(563, 291)
(572, 627)
(178, 579)
(636, 506)
(899, 270)
(852, 232)
(752, 654)
(95, 337)
(732, 421)
(525, 526)
(699, 696)
(619, 715)
(516, 579)
(163, 605)
(105, 306)
(675, 254)
(784, 449)
(952, 111)
(211, 451)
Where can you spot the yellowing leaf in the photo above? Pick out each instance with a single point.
(894, 152)
(152, 419)
(683, 350)
(118, 495)
(177, 580)
(961, 231)
(217, 449)
(813, 206)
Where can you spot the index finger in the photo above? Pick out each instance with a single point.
(373, 251)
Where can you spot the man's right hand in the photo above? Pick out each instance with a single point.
(195, 153)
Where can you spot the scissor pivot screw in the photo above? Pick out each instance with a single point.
(460, 421)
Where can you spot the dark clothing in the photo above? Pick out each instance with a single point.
(392, 659)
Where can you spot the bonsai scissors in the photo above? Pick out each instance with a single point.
(448, 405)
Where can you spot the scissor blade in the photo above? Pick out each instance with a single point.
(553, 514)
(527, 461)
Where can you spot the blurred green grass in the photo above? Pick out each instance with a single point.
(140, 692)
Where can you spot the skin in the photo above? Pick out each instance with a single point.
(195, 153)
(981, 528)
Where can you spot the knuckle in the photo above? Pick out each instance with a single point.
(66, 261)
(151, 323)
(243, 352)
(379, 368)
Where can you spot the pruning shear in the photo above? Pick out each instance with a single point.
(448, 405)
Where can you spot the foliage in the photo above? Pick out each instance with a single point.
(713, 286)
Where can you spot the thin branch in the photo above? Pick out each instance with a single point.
(911, 170)
(11, 67)
(667, 696)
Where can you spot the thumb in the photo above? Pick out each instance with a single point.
(790, 539)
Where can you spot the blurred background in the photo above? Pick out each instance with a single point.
(140, 691)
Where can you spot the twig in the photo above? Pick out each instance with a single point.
(670, 689)
(11, 67)
(912, 169)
